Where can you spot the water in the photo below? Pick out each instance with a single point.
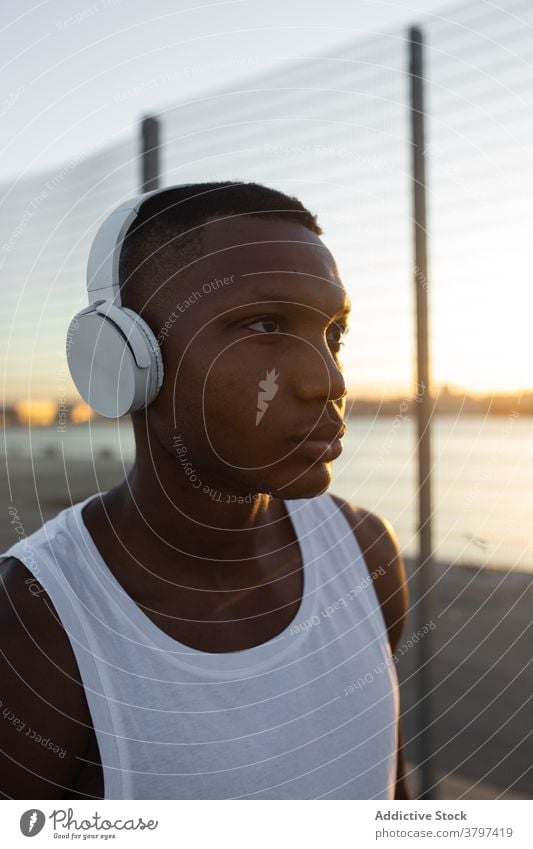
(482, 478)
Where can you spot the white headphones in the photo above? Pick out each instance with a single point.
(113, 355)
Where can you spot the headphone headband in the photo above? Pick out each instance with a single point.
(104, 256)
(112, 353)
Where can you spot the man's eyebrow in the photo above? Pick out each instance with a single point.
(280, 297)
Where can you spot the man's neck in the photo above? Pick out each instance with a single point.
(222, 603)
(216, 520)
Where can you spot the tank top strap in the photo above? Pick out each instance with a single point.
(340, 563)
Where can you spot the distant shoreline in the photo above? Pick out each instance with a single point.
(354, 410)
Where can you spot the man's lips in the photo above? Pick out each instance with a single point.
(320, 449)
(328, 430)
(322, 442)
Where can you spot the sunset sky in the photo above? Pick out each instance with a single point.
(78, 77)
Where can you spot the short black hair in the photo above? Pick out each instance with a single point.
(177, 215)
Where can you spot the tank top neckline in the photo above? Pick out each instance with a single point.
(286, 642)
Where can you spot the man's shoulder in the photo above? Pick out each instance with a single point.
(26, 610)
(41, 536)
(45, 712)
(31, 628)
(379, 546)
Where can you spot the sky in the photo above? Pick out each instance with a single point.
(78, 73)
(77, 76)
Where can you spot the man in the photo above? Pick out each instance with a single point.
(217, 625)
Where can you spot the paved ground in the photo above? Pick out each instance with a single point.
(481, 677)
(481, 647)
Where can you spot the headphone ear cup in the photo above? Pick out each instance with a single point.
(116, 365)
(156, 367)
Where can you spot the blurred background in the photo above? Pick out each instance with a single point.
(406, 127)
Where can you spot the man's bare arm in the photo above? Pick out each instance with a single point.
(40, 691)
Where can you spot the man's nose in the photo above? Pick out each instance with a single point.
(318, 375)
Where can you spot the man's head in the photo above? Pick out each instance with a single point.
(209, 267)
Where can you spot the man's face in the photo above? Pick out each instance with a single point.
(252, 357)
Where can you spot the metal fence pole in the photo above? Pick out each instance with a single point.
(420, 279)
(150, 158)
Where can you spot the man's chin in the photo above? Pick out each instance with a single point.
(305, 484)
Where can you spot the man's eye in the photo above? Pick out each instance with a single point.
(270, 323)
(340, 330)
(267, 319)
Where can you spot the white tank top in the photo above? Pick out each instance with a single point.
(310, 714)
